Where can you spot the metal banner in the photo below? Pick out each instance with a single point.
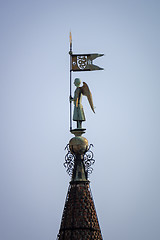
(84, 62)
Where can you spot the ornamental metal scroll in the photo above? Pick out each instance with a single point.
(69, 161)
(82, 62)
(88, 160)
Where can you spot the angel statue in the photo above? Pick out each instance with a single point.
(78, 114)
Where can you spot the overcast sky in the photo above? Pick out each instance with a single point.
(34, 108)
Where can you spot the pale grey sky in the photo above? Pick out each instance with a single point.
(34, 106)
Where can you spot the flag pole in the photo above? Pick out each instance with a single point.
(70, 52)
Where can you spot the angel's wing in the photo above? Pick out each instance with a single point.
(85, 91)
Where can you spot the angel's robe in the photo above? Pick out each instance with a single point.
(78, 114)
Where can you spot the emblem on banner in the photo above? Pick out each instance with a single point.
(82, 62)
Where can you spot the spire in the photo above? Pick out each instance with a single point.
(79, 219)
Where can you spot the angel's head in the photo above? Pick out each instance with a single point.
(77, 82)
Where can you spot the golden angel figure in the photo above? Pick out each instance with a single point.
(78, 114)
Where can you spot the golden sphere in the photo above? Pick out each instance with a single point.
(78, 145)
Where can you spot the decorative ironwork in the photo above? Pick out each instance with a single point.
(82, 62)
(88, 160)
(69, 161)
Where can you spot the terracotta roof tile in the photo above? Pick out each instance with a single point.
(79, 219)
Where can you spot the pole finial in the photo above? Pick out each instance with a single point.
(70, 38)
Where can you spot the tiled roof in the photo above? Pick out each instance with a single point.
(79, 219)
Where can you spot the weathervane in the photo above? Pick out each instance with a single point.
(79, 157)
(80, 62)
